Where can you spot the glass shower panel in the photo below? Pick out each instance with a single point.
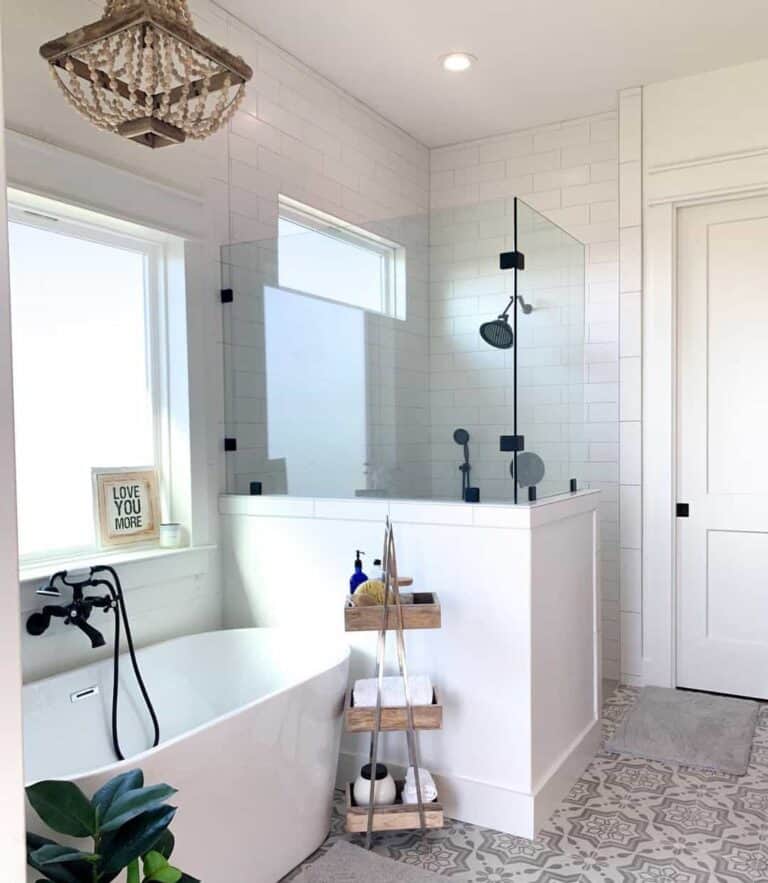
(326, 363)
(472, 381)
(550, 356)
(388, 363)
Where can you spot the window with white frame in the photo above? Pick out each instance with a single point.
(324, 256)
(87, 305)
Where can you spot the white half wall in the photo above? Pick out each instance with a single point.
(516, 660)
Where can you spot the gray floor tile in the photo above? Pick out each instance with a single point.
(627, 820)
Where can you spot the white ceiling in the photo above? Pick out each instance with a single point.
(540, 61)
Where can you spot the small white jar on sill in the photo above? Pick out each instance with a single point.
(385, 790)
(170, 536)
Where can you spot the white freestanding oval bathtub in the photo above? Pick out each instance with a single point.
(250, 724)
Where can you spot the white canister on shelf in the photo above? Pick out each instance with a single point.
(170, 536)
(385, 791)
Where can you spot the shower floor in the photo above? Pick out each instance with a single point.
(626, 820)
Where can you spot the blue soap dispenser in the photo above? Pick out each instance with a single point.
(358, 577)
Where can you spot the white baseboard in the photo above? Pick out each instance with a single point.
(562, 776)
(492, 806)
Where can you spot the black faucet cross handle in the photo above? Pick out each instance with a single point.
(78, 613)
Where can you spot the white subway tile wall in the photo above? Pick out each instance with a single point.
(569, 172)
(630, 405)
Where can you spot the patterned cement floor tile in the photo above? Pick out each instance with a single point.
(627, 820)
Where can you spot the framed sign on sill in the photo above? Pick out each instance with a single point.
(126, 506)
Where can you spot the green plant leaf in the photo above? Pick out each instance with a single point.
(72, 872)
(114, 788)
(133, 803)
(63, 807)
(154, 861)
(167, 874)
(52, 853)
(133, 872)
(63, 874)
(165, 844)
(157, 869)
(121, 847)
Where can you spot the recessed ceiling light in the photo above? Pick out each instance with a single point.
(456, 62)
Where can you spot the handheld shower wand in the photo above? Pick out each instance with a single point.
(461, 437)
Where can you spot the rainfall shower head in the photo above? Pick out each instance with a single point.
(498, 333)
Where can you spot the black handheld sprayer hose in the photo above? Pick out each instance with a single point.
(116, 590)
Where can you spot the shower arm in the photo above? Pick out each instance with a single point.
(505, 314)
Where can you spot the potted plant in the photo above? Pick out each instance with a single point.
(127, 823)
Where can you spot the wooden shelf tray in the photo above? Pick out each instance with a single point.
(398, 817)
(363, 720)
(421, 610)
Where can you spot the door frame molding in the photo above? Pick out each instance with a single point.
(668, 189)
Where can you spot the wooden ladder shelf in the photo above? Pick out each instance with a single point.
(400, 612)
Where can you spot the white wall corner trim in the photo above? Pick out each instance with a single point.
(11, 775)
(630, 385)
(659, 333)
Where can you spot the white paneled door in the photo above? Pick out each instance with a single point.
(722, 456)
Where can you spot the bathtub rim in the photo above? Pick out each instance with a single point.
(136, 759)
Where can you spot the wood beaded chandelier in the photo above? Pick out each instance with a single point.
(144, 72)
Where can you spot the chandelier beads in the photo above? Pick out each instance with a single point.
(144, 72)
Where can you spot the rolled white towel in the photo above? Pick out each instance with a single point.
(393, 692)
(428, 787)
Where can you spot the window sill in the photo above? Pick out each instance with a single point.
(40, 570)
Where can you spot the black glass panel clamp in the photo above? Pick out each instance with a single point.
(511, 260)
(512, 443)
